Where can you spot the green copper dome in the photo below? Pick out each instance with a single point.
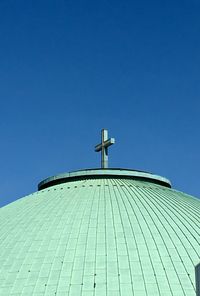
(100, 232)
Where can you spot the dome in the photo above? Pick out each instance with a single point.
(100, 232)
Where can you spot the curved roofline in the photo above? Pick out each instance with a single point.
(102, 173)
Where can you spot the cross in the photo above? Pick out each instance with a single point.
(103, 147)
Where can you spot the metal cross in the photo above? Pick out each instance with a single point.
(103, 147)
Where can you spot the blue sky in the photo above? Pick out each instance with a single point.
(70, 68)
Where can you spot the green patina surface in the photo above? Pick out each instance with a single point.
(99, 237)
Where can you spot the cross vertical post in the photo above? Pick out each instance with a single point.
(103, 147)
(104, 150)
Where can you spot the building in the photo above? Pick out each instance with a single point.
(112, 232)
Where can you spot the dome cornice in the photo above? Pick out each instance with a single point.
(102, 173)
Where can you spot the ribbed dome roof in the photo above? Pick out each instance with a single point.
(100, 234)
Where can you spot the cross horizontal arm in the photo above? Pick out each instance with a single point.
(109, 142)
(105, 144)
(98, 148)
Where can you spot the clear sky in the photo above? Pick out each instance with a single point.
(70, 68)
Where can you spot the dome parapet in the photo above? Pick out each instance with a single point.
(103, 173)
